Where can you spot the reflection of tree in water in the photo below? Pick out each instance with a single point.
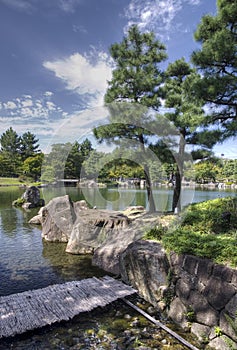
(8, 195)
(69, 266)
(20, 280)
(9, 220)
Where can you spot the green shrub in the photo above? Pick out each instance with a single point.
(155, 233)
(203, 231)
(18, 202)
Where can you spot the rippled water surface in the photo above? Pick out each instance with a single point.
(27, 262)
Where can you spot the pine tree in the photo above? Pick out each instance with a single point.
(136, 80)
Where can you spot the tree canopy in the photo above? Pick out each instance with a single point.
(137, 79)
(217, 63)
(137, 76)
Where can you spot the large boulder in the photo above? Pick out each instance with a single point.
(58, 218)
(144, 265)
(92, 228)
(30, 199)
(108, 254)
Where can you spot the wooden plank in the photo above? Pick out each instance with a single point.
(161, 325)
(37, 308)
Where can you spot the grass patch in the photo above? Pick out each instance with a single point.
(17, 181)
(207, 229)
(9, 181)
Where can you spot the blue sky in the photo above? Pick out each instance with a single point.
(55, 63)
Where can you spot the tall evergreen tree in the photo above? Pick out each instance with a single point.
(217, 62)
(10, 149)
(29, 145)
(136, 79)
(187, 116)
(10, 142)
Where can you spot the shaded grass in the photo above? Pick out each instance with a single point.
(204, 231)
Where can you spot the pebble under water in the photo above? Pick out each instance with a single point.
(114, 327)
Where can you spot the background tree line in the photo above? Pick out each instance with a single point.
(20, 157)
(199, 100)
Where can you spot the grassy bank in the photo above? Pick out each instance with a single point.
(14, 181)
(207, 229)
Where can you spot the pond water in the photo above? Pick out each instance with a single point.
(27, 262)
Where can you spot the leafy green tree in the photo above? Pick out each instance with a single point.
(137, 79)
(92, 165)
(217, 62)
(10, 149)
(73, 162)
(32, 166)
(10, 142)
(6, 166)
(85, 148)
(206, 171)
(78, 153)
(56, 160)
(229, 169)
(28, 145)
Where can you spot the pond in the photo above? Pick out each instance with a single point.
(27, 262)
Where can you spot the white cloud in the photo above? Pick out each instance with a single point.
(10, 105)
(21, 5)
(69, 5)
(156, 15)
(79, 28)
(27, 107)
(51, 106)
(48, 93)
(86, 75)
(27, 103)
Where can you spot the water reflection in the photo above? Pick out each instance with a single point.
(67, 266)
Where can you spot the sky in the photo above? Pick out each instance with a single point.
(55, 62)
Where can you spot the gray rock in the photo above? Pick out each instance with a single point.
(221, 343)
(58, 217)
(204, 313)
(32, 198)
(177, 312)
(228, 322)
(218, 292)
(202, 332)
(145, 265)
(92, 228)
(108, 254)
(36, 220)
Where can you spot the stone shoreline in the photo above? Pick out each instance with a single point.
(194, 292)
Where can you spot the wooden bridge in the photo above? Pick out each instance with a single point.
(37, 308)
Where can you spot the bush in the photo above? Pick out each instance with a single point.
(18, 202)
(204, 231)
(156, 233)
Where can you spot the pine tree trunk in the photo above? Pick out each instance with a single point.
(176, 205)
(151, 202)
(152, 207)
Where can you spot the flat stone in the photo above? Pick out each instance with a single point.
(204, 313)
(201, 331)
(177, 311)
(93, 227)
(218, 292)
(221, 343)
